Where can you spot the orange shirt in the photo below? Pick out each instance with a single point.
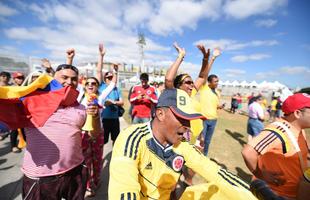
(277, 153)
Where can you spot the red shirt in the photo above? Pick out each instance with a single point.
(142, 107)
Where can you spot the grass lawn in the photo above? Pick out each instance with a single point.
(227, 142)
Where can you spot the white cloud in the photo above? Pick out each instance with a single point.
(230, 72)
(232, 45)
(94, 22)
(244, 58)
(302, 71)
(173, 16)
(306, 46)
(293, 70)
(266, 23)
(241, 9)
(266, 75)
(6, 11)
(135, 14)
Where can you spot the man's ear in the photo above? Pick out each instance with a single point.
(160, 114)
(297, 114)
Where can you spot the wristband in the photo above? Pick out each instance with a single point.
(181, 55)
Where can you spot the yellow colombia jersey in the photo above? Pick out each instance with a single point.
(141, 168)
(209, 101)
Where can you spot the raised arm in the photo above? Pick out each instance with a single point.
(102, 51)
(70, 56)
(216, 52)
(48, 67)
(205, 67)
(172, 71)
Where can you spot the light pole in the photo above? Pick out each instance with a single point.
(141, 43)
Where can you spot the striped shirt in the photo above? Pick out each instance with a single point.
(277, 154)
(55, 148)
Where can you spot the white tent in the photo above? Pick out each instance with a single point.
(235, 83)
(278, 85)
(285, 93)
(253, 84)
(243, 84)
(263, 84)
(227, 83)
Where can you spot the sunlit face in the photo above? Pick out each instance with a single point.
(19, 80)
(108, 79)
(67, 77)
(91, 86)
(304, 117)
(187, 85)
(144, 82)
(4, 79)
(176, 127)
(214, 83)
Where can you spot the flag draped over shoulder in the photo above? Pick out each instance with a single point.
(32, 105)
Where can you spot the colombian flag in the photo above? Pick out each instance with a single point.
(32, 105)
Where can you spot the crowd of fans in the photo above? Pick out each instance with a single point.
(173, 124)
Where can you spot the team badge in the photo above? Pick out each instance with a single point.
(177, 163)
(148, 92)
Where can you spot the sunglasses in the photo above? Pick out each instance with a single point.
(66, 66)
(188, 82)
(91, 84)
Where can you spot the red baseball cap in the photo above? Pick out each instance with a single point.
(295, 102)
(17, 74)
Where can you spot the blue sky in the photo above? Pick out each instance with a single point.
(260, 39)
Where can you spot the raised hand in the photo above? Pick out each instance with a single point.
(180, 50)
(216, 52)
(206, 53)
(102, 50)
(46, 63)
(115, 67)
(70, 53)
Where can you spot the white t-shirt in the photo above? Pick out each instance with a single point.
(256, 111)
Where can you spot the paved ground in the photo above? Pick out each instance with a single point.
(10, 174)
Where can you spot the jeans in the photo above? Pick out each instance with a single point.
(139, 120)
(208, 130)
(254, 126)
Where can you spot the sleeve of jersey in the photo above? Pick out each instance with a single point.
(264, 141)
(133, 95)
(123, 182)
(227, 182)
(154, 97)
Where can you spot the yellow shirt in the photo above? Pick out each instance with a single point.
(141, 168)
(273, 104)
(209, 101)
(197, 124)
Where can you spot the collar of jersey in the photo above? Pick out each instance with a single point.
(166, 148)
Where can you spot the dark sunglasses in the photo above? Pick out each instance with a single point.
(188, 82)
(91, 83)
(65, 66)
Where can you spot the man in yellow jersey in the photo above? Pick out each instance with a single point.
(147, 158)
(210, 102)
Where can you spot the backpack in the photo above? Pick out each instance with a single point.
(278, 105)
